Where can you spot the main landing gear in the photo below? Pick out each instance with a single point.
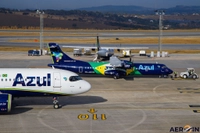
(55, 102)
(116, 76)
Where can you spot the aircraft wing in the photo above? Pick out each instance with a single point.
(126, 48)
(91, 47)
(115, 62)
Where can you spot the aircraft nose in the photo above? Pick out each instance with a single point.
(85, 86)
(170, 71)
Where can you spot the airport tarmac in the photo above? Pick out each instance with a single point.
(142, 105)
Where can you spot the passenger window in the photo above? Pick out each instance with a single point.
(9, 79)
(1, 79)
(5, 79)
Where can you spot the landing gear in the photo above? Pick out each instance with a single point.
(55, 102)
(163, 76)
(116, 76)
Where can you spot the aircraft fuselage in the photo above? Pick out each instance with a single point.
(103, 68)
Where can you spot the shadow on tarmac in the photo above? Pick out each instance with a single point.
(64, 101)
(18, 110)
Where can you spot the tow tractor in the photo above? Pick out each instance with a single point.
(189, 74)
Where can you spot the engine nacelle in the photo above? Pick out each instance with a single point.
(5, 102)
(114, 72)
(127, 64)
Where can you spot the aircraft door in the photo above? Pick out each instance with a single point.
(80, 69)
(57, 80)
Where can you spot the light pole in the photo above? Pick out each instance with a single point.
(160, 13)
(41, 30)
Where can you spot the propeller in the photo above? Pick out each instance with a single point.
(97, 56)
(98, 47)
(130, 59)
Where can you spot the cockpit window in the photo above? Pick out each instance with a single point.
(74, 78)
(164, 67)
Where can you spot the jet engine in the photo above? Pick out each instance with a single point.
(5, 102)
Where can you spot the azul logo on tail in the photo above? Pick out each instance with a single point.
(32, 80)
(58, 56)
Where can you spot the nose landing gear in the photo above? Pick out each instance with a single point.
(55, 102)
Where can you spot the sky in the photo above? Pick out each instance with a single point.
(74, 4)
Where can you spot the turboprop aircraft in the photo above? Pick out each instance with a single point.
(116, 68)
(26, 82)
(105, 52)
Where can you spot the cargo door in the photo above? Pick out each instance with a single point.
(80, 69)
(56, 81)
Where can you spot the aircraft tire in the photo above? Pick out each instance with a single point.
(116, 76)
(56, 106)
(165, 76)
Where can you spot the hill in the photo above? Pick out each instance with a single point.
(143, 10)
(183, 10)
(120, 9)
(79, 19)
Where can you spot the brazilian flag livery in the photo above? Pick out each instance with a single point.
(63, 61)
(4, 75)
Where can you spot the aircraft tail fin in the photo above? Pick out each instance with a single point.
(58, 56)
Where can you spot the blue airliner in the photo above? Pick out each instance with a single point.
(115, 68)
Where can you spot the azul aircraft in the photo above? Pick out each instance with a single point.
(116, 68)
(21, 82)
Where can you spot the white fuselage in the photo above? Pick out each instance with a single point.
(41, 81)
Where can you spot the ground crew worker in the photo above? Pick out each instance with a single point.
(190, 72)
(175, 74)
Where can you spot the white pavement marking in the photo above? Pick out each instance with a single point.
(44, 124)
(137, 124)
